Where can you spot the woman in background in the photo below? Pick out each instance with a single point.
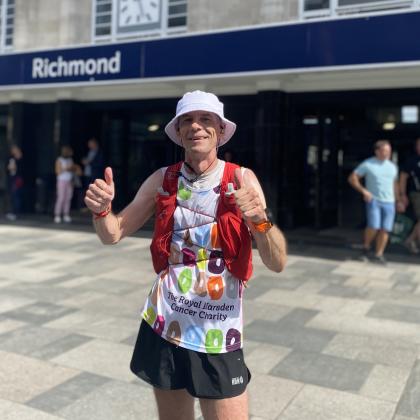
(64, 169)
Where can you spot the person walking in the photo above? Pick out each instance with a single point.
(409, 187)
(93, 162)
(190, 339)
(379, 194)
(15, 181)
(64, 169)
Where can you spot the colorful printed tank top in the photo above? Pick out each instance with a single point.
(196, 303)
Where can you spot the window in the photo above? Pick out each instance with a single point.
(316, 8)
(103, 18)
(106, 27)
(177, 14)
(7, 20)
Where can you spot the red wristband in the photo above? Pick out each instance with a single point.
(102, 213)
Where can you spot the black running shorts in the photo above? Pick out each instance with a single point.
(167, 366)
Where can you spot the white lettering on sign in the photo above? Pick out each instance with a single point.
(43, 68)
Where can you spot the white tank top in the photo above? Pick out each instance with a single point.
(196, 303)
(66, 165)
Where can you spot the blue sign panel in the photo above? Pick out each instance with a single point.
(308, 45)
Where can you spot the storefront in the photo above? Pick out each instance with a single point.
(309, 99)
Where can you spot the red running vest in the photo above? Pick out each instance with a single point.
(234, 235)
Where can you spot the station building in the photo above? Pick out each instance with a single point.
(311, 85)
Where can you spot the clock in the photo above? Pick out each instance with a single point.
(138, 15)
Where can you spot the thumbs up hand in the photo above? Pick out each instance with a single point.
(100, 193)
(248, 199)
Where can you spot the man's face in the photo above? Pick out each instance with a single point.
(92, 144)
(199, 131)
(383, 152)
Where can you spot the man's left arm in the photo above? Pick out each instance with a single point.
(251, 201)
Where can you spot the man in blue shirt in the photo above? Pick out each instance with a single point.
(379, 192)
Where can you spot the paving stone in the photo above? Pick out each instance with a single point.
(39, 312)
(314, 267)
(22, 378)
(13, 411)
(385, 383)
(406, 286)
(298, 316)
(114, 400)
(59, 279)
(323, 370)
(343, 291)
(119, 287)
(409, 404)
(9, 302)
(67, 392)
(7, 325)
(290, 298)
(39, 293)
(94, 324)
(256, 289)
(315, 403)
(263, 358)
(288, 335)
(395, 312)
(95, 357)
(361, 325)
(396, 353)
(28, 339)
(270, 395)
(59, 346)
(253, 310)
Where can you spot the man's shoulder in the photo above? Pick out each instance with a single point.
(392, 165)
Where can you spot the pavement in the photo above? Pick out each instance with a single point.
(330, 338)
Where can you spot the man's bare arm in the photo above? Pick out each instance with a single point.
(354, 181)
(403, 188)
(112, 228)
(272, 244)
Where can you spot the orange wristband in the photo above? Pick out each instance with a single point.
(102, 213)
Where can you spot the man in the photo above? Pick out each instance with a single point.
(93, 162)
(15, 181)
(409, 186)
(379, 193)
(190, 340)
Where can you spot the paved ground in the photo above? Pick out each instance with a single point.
(329, 339)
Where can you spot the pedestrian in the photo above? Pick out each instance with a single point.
(64, 170)
(93, 162)
(409, 187)
(15, 181)
(190, 339)
(379, 193)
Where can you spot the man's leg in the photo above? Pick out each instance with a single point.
(373, 217)
(235, 408)
(175, 404)
(387, 222)
(416, 232)
(369, 236)
(381, 242)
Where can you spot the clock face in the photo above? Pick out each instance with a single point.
(134, 15)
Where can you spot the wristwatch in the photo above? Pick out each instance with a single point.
(265, 225)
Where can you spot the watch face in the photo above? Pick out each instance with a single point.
(138, 15)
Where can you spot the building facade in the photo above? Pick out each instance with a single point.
(311, 84)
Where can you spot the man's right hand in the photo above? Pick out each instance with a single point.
(404, 199)
(100, 193)
(367, 196)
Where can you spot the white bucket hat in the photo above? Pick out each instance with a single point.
(200, 101)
